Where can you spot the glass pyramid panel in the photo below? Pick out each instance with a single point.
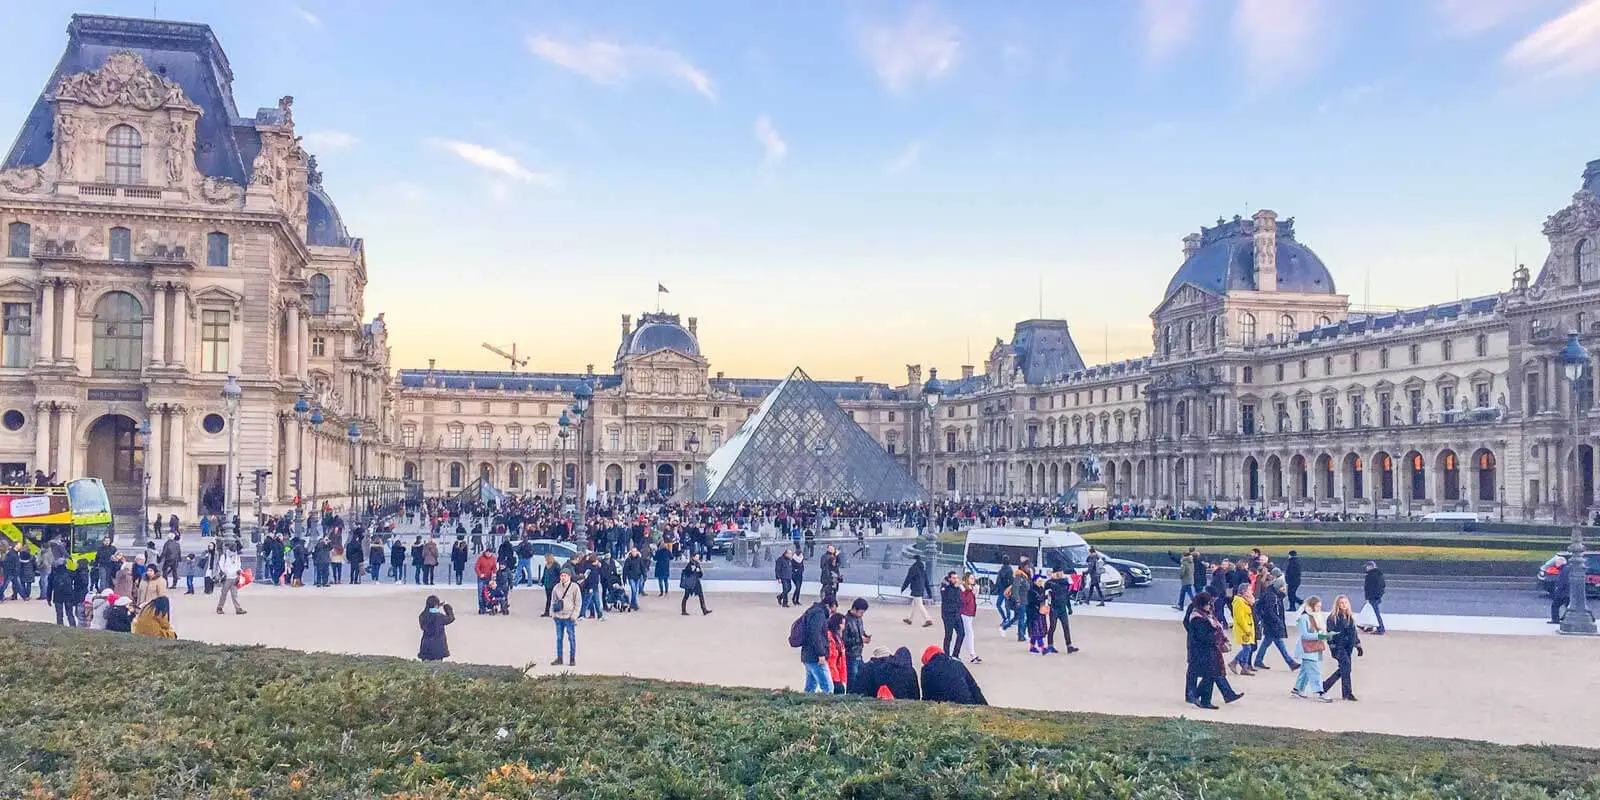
(801, 444)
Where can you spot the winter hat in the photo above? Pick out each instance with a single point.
(122, 601)
(110, 596)
(882, 652)
(928, 654)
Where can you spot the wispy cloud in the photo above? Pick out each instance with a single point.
(1168, 26)
(1351, 96)
(1566, 45)
(1472, 17)
(306, 16)
(494, 161)
(1278, 37)
(919, 48)
(905, 159)
(615, 64)
(771, 142)
(328, 141)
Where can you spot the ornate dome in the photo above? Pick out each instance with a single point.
(1225, 261)
(659, 331)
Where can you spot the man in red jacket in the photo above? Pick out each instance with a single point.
(485, 568)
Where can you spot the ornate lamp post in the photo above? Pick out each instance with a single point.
(1578, 620)
(354, 435)
(563, 430)
(932, 393)
(302, 412)
(232, 393)
(582, 396)
(691, 445)
(143, 432)
(314, 517)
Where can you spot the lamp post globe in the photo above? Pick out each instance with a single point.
(692, 444)
(933, 390)
(317, 419)
(353, 433)
(302, 407)
(1578, 620)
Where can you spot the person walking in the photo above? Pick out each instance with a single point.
(375, 558)
(171, 554)
(969, 616)
(433, 619)
(397, 560)
(916, 582)
(799, 576)
(322, 561)
(1292, 576)
(458, 559)
(566, 600)
(663, 563)
(336, 557)
(1186, 589)
(1002, 579)
(1373, 588)
(690, 582)
(814, 647)
(430, 560)
(1060, 592)
(837, 666)
(1272, 627)
(950, 612)
(633, 576)
(832, 574)
(1017, 598)
(62, 594)
(1094, 562)
(227, 570)
(1343, 640)
(1560, 592)
(1206, 643)
(1244, 631)
(783, 573)
(547, 579)
(1313, 643)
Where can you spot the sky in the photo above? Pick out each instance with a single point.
(851, 186)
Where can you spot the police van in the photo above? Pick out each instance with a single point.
(1042, 547)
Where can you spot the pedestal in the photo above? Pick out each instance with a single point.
(1093, 495)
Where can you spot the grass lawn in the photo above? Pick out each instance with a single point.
(1352, 551)
(97, 715)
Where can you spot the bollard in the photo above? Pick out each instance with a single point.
(887, 553)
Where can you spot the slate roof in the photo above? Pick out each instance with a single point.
(1226, 261)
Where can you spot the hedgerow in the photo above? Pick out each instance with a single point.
(96, 715)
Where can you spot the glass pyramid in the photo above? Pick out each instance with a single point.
(801, 444)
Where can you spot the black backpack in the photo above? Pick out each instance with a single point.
(797, 632)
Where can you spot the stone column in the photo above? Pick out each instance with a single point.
(158, 339)
(69, 322)
(180, 329)
(65, 441)
(41, 435)
(152, 451)
(175, 454)
(291, 362)
(47, 323)
(302, 360)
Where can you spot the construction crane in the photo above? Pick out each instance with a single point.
(511, 356)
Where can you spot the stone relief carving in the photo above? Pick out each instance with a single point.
(122, 80)
(66, 141)
(220, 191)
(1582, 215)
(22, 180)
(180, 149)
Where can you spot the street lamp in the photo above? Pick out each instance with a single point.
(314, 517)
(302, 411)
(932, 393)
(563, 425)
(232, 392)
(582, 396)
(1578, 620)
(354, 434)
(143, 432)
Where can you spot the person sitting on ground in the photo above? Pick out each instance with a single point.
(888, 673)
(119, 615)
(155, 620)
(947, 680)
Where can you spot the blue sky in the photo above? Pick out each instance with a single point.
(853, 185)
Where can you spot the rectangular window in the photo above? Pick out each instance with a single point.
(411, 405)
(1482, 346)
(1249, 374)
(121, 244)
(1278, 372)
(891, 416)
(1358, 407)
(488, 408)
(1385, 409)
(1033, 404)
(1414, 353)
(18, 334)
(1247, 419)
(1447, 399)
(949, 441)
(1281, 409)
(1383, 358)
(408, 436)
(455, 438)
(18, 239)
(1327, 365)
(1446, 350)
(1416, 405)
(1482, 392)
(455, 406)
(716, 411)
(615, 437)
(1305, 415)
(516, 438)
(214, 330)
(217, 250)
(319, 346)
(1302, 368)
(516, 408)
(716, 440)
(1330, 413)
(1355, 362)
(486, 438)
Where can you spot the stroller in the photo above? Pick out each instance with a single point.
(617, 599)
(495, 600)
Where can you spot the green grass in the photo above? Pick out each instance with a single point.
(1358, 551)
(104, 716)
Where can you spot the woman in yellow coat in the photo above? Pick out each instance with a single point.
(1244, 630)
(155, 620)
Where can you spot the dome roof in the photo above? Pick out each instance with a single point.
(1226, 261)
(659, 332)
(323, 225)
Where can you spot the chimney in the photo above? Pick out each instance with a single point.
(430, 364)
(588, 369)
(1191, 245)
(966, 371)
(1266, 250)
(627, 325)
(694, 325)
(719, 375)
(1591, 177)
(861, 378)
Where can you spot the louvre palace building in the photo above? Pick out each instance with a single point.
(155, 241)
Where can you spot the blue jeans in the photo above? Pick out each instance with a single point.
(1005, 613)
(1185, 594)
(570, 628)
(1309, 681)
(817, 678)
(661, 584)
(1246, 651)
(852, 667)
(1261, 651)
(635, 586)
(482, 604)
(1377, 610)
(1023, 612)
(188, 584)
(591, 603)
(524, 570)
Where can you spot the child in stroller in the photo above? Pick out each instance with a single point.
(495, 599)
(617, 599)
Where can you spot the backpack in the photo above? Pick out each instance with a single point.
(797, 632)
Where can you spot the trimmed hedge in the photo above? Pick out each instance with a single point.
(90, 714)
(1233, 528)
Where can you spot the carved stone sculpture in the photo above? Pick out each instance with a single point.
(122, 80)
(66, 141)
(23, 180)
(220, 191)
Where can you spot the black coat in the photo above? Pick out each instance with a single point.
(783, 569)
(434, 647)
(689, 581)
(1205, 657)
(950, 603)
(814, 634)
(663, 559)
(1291, 572)
(1342, 634)
(916, 580)
(1562, 588)
(1375, 585)
(947, 680)
(633, 567)
(895, 672)
(119, 619)
(1270, 623)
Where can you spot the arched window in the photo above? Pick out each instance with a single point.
(1166, 340)
(1285, 327)
(124, 154)
(321, 293)
(118, 333)
(1587, 259)
(1324, 320)
(216, 249)
(1247, 329)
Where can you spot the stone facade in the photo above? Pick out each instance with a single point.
(153, 242)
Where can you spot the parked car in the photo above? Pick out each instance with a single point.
(722, 541)
(1133, 573)
(1551, 570)
(561, 550)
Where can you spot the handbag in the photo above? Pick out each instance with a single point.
(1313, 645)
(211, 584)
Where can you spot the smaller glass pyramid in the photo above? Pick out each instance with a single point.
(801, 444)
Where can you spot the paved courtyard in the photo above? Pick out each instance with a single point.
(1504, 688)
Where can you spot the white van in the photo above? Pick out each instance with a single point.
(1455, 516)
(1042, 547)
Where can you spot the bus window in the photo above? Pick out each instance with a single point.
(88, 497)
(87, 538)
(1066, 559)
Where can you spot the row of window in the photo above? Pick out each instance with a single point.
(1196, 334)
(119, 330)
(1480, 348)
(455, 438)
(19, 243)
(1303, 415)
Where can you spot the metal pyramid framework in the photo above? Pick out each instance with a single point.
(801, 444)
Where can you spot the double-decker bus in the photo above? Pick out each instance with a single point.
(77, 514)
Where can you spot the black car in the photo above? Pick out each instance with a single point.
(722, 541)
(1133, 573)
(1550, 571)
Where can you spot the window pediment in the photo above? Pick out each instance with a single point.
(220, 296)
